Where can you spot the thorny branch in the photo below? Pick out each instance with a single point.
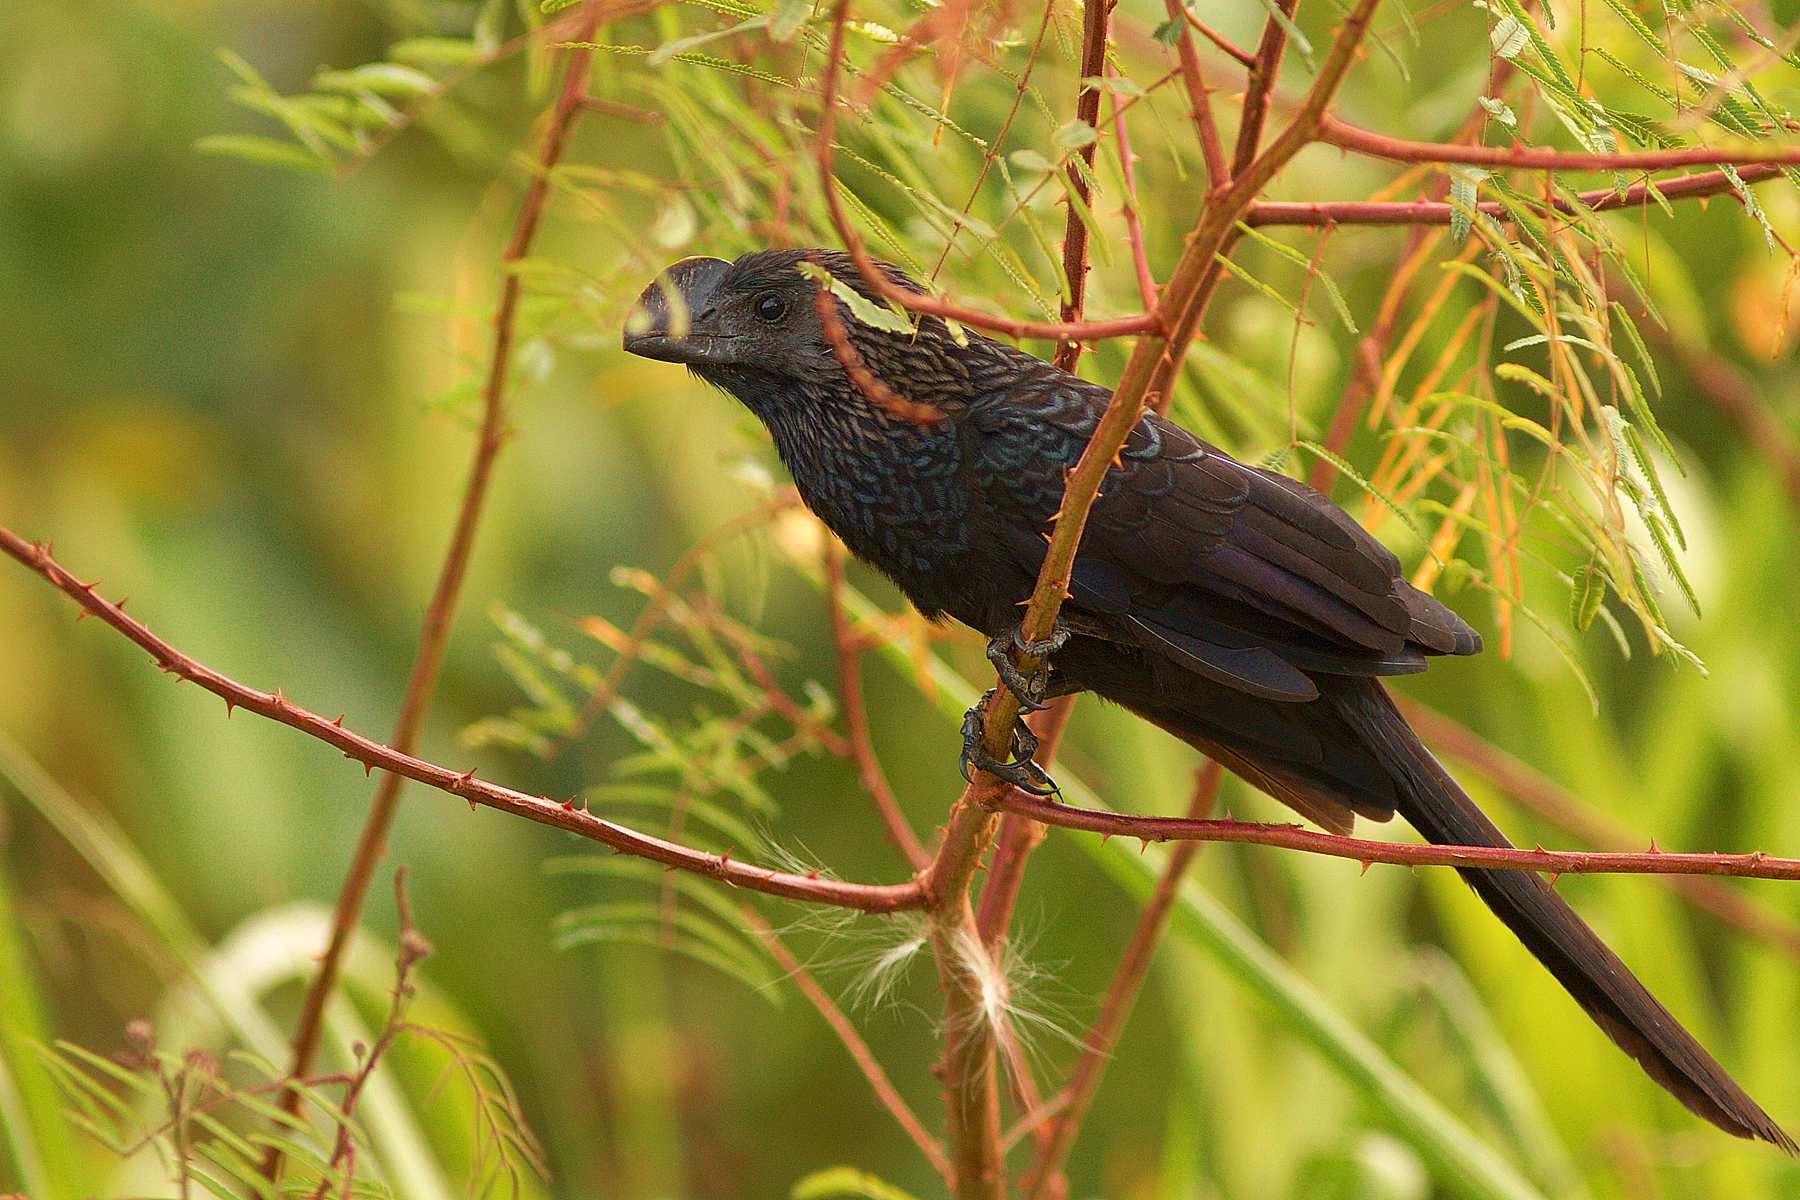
(1754, 865)
(565, 816)
(434, 634)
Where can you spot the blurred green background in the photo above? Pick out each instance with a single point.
(241, 396)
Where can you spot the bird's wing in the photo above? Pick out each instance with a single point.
(1242, 575)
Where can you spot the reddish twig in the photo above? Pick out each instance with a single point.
(1212, 150)
(1134, 236)
(372, 754)
(1755, 865)
(1261, 86)
(1060, 331)
(1121, 996)
(862, 748)
(1534, 158)
(434, 634)
(1213, 36)
(1712, 183)
(1094, 15)
(1530, 788)
(859, 1050)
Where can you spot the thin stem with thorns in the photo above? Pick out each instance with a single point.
(434, 635)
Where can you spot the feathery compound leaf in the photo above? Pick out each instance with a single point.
(1294, 256)
(1349, 472)
(268, 151)
(1588, 595)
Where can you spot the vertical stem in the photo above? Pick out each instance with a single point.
(435, 632)
(1094, 15)
(1261, 84)
(966, 973)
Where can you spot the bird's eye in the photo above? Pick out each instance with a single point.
(770, 307)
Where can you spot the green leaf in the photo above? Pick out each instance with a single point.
(1298, 259)
(1074, 135)
(268, 151)
(435, 51)
(1589, 593)
(879, 316)
(382, 78)
(680, 46)
(1030, 160)
(845, 1181)
(1509, 36)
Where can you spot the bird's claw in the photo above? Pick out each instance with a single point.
(1021, 772)
(1028, 689)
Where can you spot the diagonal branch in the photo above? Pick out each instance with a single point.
(1755, 865)
(859, 1050)
(435, 632)
(372, 754)
(862, 748)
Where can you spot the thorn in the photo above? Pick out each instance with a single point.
(466, 776)
(275, 698)
(229, 703)
(1143, 844)
(120, 603)
(87, 587)
(813, 874)
(368, 769)
(569, 804)
(84, 613)
(1105, 837)
(1554, 876)
(1653, 847)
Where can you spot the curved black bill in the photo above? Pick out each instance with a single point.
(660, 324)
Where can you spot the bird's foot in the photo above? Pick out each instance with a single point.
(1021, 772)
(1028, 689)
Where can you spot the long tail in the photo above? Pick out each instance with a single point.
(1442, 812)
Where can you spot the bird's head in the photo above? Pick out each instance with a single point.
(754, 325)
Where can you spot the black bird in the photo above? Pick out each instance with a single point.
(1234, 607)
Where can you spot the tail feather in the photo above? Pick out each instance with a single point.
(1600, 982)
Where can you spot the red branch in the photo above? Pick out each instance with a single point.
(1533, 158)
(1354, 212)
(372, 754)
(1755, 865)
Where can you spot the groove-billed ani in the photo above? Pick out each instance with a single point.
(1237, 609)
